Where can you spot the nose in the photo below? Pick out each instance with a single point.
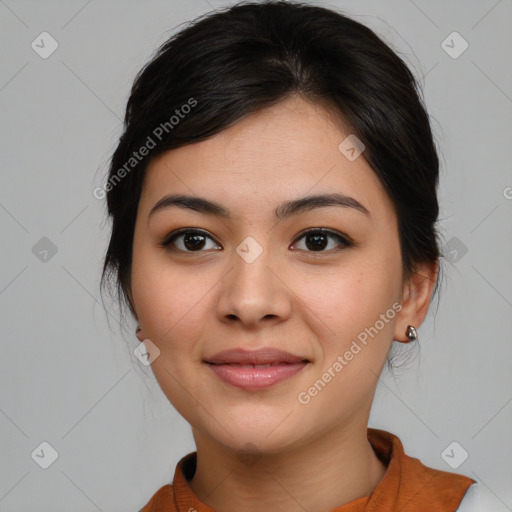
(256, 291)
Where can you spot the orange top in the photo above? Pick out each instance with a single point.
(407, 485)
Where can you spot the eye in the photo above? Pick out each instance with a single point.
(318, 240)
(193, 240)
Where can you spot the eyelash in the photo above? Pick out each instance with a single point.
(169, 239)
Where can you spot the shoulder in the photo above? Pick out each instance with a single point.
(479, 499)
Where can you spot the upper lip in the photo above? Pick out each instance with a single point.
(260, 356)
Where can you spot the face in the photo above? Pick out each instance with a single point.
(251, 279)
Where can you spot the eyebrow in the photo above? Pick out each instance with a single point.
(285, 210)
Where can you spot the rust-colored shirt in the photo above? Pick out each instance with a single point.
(407, 485)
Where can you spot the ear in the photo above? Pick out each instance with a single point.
(139, 334)
(416, 294)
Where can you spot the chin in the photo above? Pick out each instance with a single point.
(256, 437)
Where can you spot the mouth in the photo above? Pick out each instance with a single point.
(253, 370)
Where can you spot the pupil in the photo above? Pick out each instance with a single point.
(315, 245)
(197, 241)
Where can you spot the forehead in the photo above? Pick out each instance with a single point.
(280, 153)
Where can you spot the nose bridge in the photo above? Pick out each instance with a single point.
(251, 266)
(251, 291)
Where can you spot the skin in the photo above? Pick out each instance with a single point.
(310, 302)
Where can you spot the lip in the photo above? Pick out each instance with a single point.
(237, 367)
(266, 355)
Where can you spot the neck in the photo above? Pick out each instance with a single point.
(336, 468)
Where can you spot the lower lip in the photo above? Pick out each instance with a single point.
(256, 378)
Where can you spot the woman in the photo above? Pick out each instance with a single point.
(274, 207)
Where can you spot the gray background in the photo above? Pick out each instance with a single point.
(70, 379)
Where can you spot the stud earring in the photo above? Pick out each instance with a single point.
(411, 333)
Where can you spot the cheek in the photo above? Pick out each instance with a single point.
(356, 307)
(353, 303)
(166, 296)
(169, 303)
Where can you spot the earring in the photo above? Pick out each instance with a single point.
(411, 333)
(139, 328)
